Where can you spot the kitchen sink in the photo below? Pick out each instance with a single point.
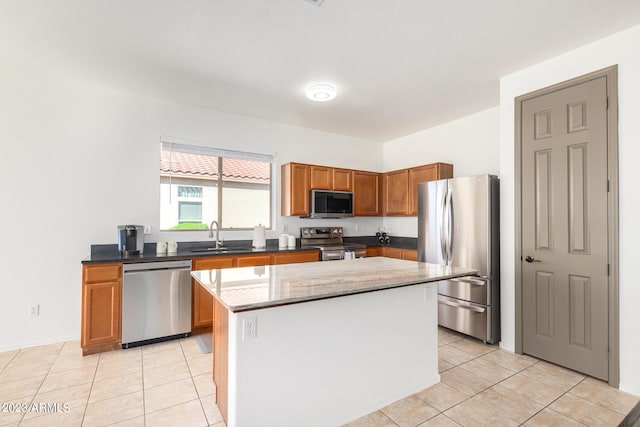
(222, 249)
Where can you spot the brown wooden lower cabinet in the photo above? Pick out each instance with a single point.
(101, 308)
(221, 357)
(408, 254)
(295, 257)
(202, 301)
(374, 251)
(102, 296)
(202, 315)
(253, 260)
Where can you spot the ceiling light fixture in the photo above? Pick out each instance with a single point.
(321, 92)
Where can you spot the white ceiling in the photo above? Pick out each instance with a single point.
(400, 66)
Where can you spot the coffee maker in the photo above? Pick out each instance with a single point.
(130, 239)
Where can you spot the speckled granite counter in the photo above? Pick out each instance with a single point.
(250, 288)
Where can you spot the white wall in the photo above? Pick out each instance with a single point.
(621, 49)
(470, 143)
(326, 378)
(77, 160)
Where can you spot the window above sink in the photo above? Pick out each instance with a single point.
(199, 185)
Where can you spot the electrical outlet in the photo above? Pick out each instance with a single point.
(34, 310)
(249, 328)
(285, 228)
(147, 229)
(357, 227)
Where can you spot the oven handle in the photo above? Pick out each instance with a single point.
(326, 256)
(459, 305)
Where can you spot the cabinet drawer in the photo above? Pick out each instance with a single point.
(392, 252)
(374, 252)
(296, 257)
(409, 254)
(253, 260)
(102, 273)
(212, 263)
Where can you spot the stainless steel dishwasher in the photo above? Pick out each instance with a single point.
(156, 302)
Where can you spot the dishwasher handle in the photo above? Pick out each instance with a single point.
(156, 266)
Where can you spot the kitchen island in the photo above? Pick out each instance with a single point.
(322, 343)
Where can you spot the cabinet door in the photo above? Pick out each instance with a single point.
(410, 254)
(296, 184)
(296, 257)
(321, 177)
(202, 304)
(342, 180)
(416, 176)
(101, 306)
(392, 252)
(253, 260)
(374, 252)
(101, 313)
(366, 193)
(425, 173)
(395, 193)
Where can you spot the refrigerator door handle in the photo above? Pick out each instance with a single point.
(443, 242)
(449, 208)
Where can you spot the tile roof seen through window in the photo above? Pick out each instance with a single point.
(187, 165)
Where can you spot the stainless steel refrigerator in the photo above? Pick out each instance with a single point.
(458, 225)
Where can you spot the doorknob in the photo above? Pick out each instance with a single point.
(529, 258)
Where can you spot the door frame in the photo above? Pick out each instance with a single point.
(611, 74)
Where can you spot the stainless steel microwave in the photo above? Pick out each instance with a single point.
(331, 204)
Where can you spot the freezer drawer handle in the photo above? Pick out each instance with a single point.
(469, 281)
(457, 305)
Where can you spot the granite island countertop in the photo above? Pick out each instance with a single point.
(252, 288)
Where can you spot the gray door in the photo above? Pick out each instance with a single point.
(564, 227)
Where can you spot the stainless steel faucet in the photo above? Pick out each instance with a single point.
(218, 242)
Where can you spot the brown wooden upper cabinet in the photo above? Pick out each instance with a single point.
(395, 200)
(400, 188)
(296, 182)
(374, 194)
(298, 179)
(366, 193)
(326, 178)
(425, 173)
(342, 179)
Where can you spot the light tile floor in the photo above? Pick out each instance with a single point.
(170, 384)
(482, 385)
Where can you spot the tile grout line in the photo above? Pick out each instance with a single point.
(93, 380)
(42, 382)
(485, 389)
(556, 399)
(144, 404)
(194, 383)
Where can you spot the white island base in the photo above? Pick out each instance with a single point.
(328, 362)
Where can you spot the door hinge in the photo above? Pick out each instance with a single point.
(606, 103)
(608, 186)
(608, 269)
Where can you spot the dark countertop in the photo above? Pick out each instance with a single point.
(108, 253)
